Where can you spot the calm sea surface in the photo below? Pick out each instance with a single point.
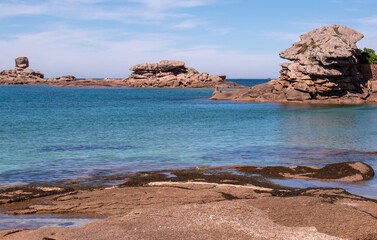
(49, 133)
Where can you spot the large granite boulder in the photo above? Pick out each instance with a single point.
(322, 68)
(326, 59)
(22, 62)
(173, 74)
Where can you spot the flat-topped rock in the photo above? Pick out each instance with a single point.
(174, 74)
(164, 66)
(323, 68)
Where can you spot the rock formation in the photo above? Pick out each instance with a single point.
(166, 74)
(173, 74)
(22, 62)
(20, 74)
(323, 68)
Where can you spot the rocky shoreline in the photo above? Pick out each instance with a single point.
(323, 68)
(166, 74)
(205, 203)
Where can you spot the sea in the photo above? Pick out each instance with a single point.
(50, 133)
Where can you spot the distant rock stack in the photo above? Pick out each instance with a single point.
(323, 63)
(20, 74)
(173, 74)
(323, 68)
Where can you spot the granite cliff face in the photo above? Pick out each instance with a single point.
(173, 74)
(322, 68)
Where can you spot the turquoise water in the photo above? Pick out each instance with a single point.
(51, 133)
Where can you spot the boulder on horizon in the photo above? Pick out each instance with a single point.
(22, 62)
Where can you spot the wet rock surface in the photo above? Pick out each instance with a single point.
(257, 176)
(202, 210)
(322, 68)
(208, 203)
(344, 172)
(174, 74)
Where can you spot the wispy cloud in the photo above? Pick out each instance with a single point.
(188, 24)
(284, 36)
(371, 20)
(100, 9)
(87, 54)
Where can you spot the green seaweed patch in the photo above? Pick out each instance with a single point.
(336, 30)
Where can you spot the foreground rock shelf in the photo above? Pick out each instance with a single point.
(323, 68)
(166, 74)
(206, 204)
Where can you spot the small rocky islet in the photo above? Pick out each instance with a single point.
(165, 74)
(323, 68)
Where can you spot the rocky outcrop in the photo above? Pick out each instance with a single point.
(173, 74)
(20, 74)
(323, 68)
(166, 74)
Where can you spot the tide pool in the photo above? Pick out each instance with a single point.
(49, 133)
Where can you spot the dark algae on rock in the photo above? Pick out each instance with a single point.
(346, 171)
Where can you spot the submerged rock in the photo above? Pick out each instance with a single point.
(323, 68)
(173, 74)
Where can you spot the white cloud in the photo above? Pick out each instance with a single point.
(107, 10)
(188, 24)
(62, 52)
(62, 49)
(168, 4)
(290, 37)
(371, 20)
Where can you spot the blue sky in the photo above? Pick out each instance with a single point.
(99, 38)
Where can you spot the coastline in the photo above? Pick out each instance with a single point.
(110, 83)
(180, 202)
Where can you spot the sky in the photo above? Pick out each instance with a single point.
(104, 38)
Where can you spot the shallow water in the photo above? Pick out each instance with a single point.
(36, 221)
(49, 134)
